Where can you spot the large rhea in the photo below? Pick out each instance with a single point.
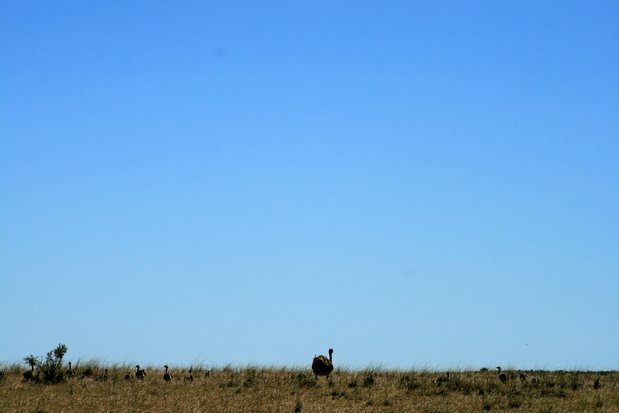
(322, 366)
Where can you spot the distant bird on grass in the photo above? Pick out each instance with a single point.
(597, 385)
(167, 376)
(28, 374)
(72, 372)
(442, 379)
(102, 377)
(139, 373)
(189, 377)
(322, 366)
(87, 372)
(502, 376)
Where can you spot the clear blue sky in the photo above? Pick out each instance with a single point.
(415, 184)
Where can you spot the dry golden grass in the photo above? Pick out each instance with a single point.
(294, 390)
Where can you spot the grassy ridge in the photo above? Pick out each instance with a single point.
(294, 390)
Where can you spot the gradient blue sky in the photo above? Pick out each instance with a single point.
(415, 184)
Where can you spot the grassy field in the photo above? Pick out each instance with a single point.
(296, 390)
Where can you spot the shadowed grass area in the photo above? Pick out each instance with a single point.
(261, 389)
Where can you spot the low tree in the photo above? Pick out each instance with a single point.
(51, 369)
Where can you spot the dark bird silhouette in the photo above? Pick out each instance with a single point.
(167, 376)
(502, 376)
(442, 379)
(102, 377)
(128, 376)
(139, 373)
(29, 374)
(72, 371)
(87, 372)
(597, 385)
(189, 377)
(322, 366)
